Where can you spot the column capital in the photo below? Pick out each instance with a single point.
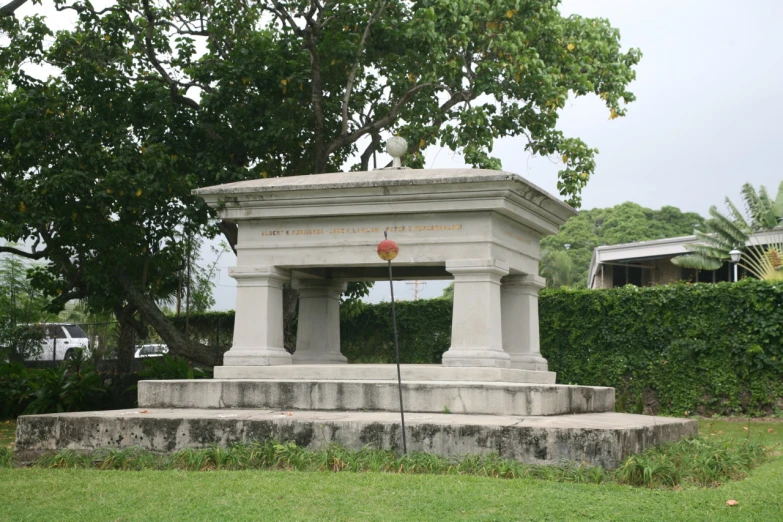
(526, 281)
(259, 275)
(476, 266)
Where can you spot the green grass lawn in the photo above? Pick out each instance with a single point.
(39, 494)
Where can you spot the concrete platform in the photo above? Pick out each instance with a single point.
(476, 398)
(598, 438)
(384, 372)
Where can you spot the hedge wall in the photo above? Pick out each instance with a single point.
(699, 348)
(423, 327)
(214, 329)
(674, 349)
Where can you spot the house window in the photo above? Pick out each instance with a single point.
(724, 273)
(626, 275)
(634, 276)
(619, 277)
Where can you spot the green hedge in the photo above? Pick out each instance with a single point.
(699, 348)
(424, 329)
(214, 329)
(674, 349)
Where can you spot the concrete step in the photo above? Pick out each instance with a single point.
(476, 398)
(597, 438)
(384, 372)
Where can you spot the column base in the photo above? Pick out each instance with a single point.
(529, 362)
(327, 358)
(266, 356)
(481, 358)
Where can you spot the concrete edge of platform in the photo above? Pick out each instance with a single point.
(475, 398)
(600, 439)
(366, 372)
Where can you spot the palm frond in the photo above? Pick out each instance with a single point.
(777, 207)
(697, 261)
(737, 216)
(719, 254)
(764, 261)
(770, 221)
(714, 239)
(727, 228)
(754, 205)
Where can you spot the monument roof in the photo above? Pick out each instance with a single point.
(375, 178)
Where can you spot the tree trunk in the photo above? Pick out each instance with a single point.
(126, 346)
(177, 342)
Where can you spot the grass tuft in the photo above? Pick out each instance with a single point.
(6, 457)
(699, 461)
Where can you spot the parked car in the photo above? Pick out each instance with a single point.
(60, 342)
(151, 350)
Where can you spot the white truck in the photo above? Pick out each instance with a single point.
(60, 342)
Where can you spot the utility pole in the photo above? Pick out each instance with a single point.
(187, 301)
(416, 284)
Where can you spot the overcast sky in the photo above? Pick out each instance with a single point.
(706, 120)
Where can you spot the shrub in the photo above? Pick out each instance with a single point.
(73, 386)
(675, 349)
(172, 367)
(424, 329)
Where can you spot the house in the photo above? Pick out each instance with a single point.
(649, 263)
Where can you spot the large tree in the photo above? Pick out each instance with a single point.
(624, 223)
(152, 98)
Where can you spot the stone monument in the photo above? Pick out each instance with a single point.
(479, 228)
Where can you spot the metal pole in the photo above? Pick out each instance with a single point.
(735, 272)
(397, 353)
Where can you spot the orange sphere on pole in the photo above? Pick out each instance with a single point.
(388, 249)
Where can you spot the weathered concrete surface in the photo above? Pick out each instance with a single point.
(599, 438)
(383, 372)
(485, 398)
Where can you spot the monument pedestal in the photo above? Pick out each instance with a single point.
(258, 323)
(476, 330)
(318, 326)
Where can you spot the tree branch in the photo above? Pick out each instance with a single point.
(152, 57)
(9, 8)
(374, 16)
(286, 17)
(379, 124)
(231, 232)
(35, 254)
(365, 158)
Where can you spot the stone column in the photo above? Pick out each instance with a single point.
(476, 331)
(258, 324)
(519, 304)
(318, 326)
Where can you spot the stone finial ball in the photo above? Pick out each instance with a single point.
(388, 249)
(396, 147)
